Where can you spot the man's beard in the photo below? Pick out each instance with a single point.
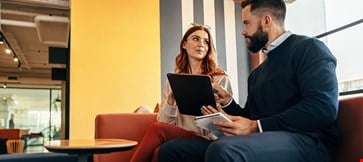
(257, 40)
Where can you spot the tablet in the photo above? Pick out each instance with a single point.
(191, 92)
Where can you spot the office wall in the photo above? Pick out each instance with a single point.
(114, 60)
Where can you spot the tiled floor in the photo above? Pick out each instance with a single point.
(34, 149)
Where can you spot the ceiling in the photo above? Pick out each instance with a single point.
(30, 27)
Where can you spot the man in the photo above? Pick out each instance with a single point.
(291, 109)
(11, 121)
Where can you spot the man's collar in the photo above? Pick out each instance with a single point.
(276, 42)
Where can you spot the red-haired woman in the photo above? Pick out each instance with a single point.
(197, 56)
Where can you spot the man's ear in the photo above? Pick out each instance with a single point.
(267, 21)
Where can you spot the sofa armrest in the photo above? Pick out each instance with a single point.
(129, 126)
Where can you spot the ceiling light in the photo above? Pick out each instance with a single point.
(7, 51)
(16, 59)
(4, 86)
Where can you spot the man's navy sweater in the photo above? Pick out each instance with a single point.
(295, 89)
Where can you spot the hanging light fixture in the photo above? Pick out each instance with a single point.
(8, 51)
(16, 59)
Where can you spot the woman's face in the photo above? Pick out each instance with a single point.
(197, 45)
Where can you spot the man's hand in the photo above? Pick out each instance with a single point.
(221, 96)
(238, 126)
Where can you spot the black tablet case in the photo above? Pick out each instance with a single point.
(191, 92)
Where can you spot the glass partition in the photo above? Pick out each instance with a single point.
(35, 110)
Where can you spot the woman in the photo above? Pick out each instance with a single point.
(197, 56)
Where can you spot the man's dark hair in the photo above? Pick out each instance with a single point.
(277, 8)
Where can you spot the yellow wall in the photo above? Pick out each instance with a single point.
(115, 59)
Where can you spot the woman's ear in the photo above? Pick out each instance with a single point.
(183, 44)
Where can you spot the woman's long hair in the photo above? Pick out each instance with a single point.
(209, 64)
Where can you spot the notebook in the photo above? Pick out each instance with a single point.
(191, 92)
(206, 122)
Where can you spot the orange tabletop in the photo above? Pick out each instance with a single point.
(85, 147)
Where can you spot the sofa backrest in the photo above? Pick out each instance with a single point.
(350, 122)
(131, 126)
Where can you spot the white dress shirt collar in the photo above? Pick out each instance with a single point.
(276, 42)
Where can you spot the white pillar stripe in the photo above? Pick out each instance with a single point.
(187, 14)
(231, 49)
(209, 17)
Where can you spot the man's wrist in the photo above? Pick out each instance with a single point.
(229, 103)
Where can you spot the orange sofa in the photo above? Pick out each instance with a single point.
(133, 126)
(130, 126)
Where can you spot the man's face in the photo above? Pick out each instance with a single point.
(257, 40)
(252, 30)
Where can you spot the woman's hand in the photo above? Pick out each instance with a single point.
(171, 99)
(210, 110)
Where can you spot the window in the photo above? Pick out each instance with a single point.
(344, 44)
